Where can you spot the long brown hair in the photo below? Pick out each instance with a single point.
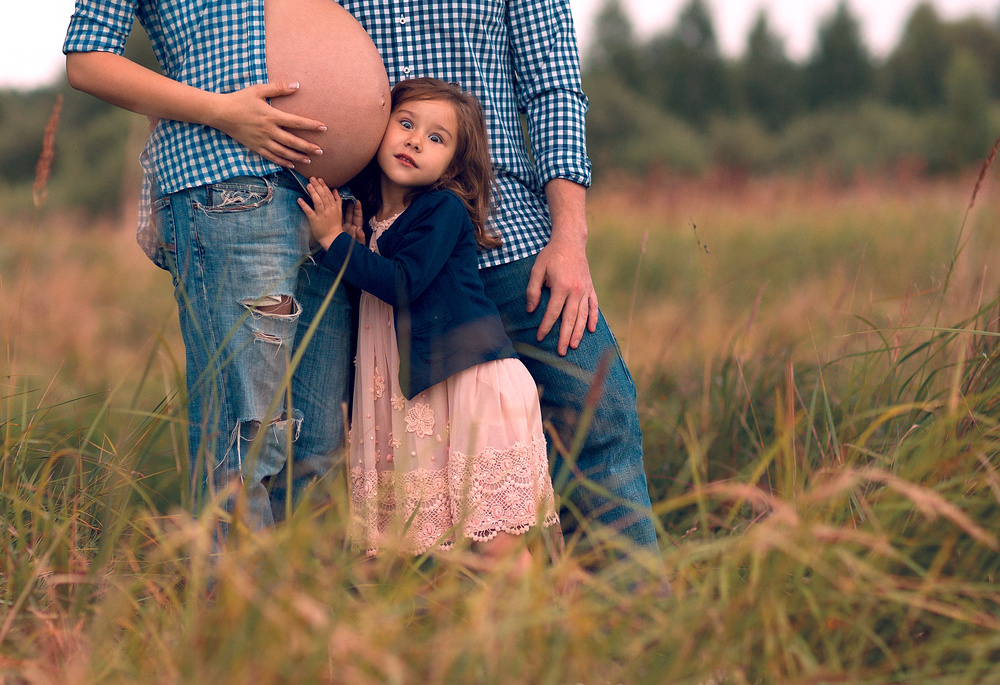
(470, 174)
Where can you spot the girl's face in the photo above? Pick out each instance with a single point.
(419, 143)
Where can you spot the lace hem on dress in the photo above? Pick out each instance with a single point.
(496, 491)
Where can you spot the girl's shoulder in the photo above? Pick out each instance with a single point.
(437, 198)
(443, 203)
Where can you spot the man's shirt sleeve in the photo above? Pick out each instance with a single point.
(549, 89)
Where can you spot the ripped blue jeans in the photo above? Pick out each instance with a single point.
(247, 292)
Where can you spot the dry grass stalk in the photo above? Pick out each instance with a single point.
(982, 172)
(635, 292)
(43, 167)
(931, 505)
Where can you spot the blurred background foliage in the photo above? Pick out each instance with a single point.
(95, 168)
(668, 104)
(674, 103)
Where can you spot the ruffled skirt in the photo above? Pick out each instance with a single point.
(467, 457)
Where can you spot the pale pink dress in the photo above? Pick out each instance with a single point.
(466, 456)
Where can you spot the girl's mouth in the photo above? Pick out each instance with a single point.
(406, 160)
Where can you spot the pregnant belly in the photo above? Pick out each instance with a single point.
(343, 82)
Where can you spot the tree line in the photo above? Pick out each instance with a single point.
(674, 102)
(671, 103)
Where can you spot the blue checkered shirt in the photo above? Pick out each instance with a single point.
(518, 57)
(215, 45)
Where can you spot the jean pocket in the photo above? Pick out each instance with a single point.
(159, 239)
(239, 194)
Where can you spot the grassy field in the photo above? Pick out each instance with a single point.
(818, 382)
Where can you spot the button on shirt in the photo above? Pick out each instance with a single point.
(215, 45)
(518, 57)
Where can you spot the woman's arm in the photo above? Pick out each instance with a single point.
(244, 115)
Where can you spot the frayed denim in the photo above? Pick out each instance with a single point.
(234, 248)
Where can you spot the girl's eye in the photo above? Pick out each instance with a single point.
(435, 138)
(405, 123)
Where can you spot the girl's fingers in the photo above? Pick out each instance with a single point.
(306, 208)
(322, 192)
(314, 194)
(316, 185)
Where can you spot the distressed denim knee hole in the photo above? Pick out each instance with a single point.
(273, 305)
(247, 431)
(282, 309)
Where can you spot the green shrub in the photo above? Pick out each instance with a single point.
(626, 133)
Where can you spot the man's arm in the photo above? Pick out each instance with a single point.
(562, 266)
(243, 115)
(550, 92)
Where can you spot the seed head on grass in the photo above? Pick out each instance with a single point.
(987, 163)
(43, 167)
(982, 172)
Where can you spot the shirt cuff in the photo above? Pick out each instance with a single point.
(567, 163)
(91, 34)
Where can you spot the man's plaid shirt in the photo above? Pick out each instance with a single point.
(519, 57)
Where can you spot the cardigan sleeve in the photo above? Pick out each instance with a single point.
(422, 242)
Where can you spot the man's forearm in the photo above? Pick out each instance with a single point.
(568, 210)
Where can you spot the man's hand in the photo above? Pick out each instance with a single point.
(326, 216)
(566, 272)
(562, 266)
(246, 117)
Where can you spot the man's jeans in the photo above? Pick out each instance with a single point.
(611, 457)
(234, 248)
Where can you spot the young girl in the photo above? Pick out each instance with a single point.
(446, 436)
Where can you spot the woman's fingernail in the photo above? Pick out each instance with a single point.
(294, 85)
(317, 151)
(322, 128)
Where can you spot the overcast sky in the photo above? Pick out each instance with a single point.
(31, 31)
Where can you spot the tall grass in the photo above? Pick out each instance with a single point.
(823, 459)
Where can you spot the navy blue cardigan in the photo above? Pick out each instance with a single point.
(427, 270)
